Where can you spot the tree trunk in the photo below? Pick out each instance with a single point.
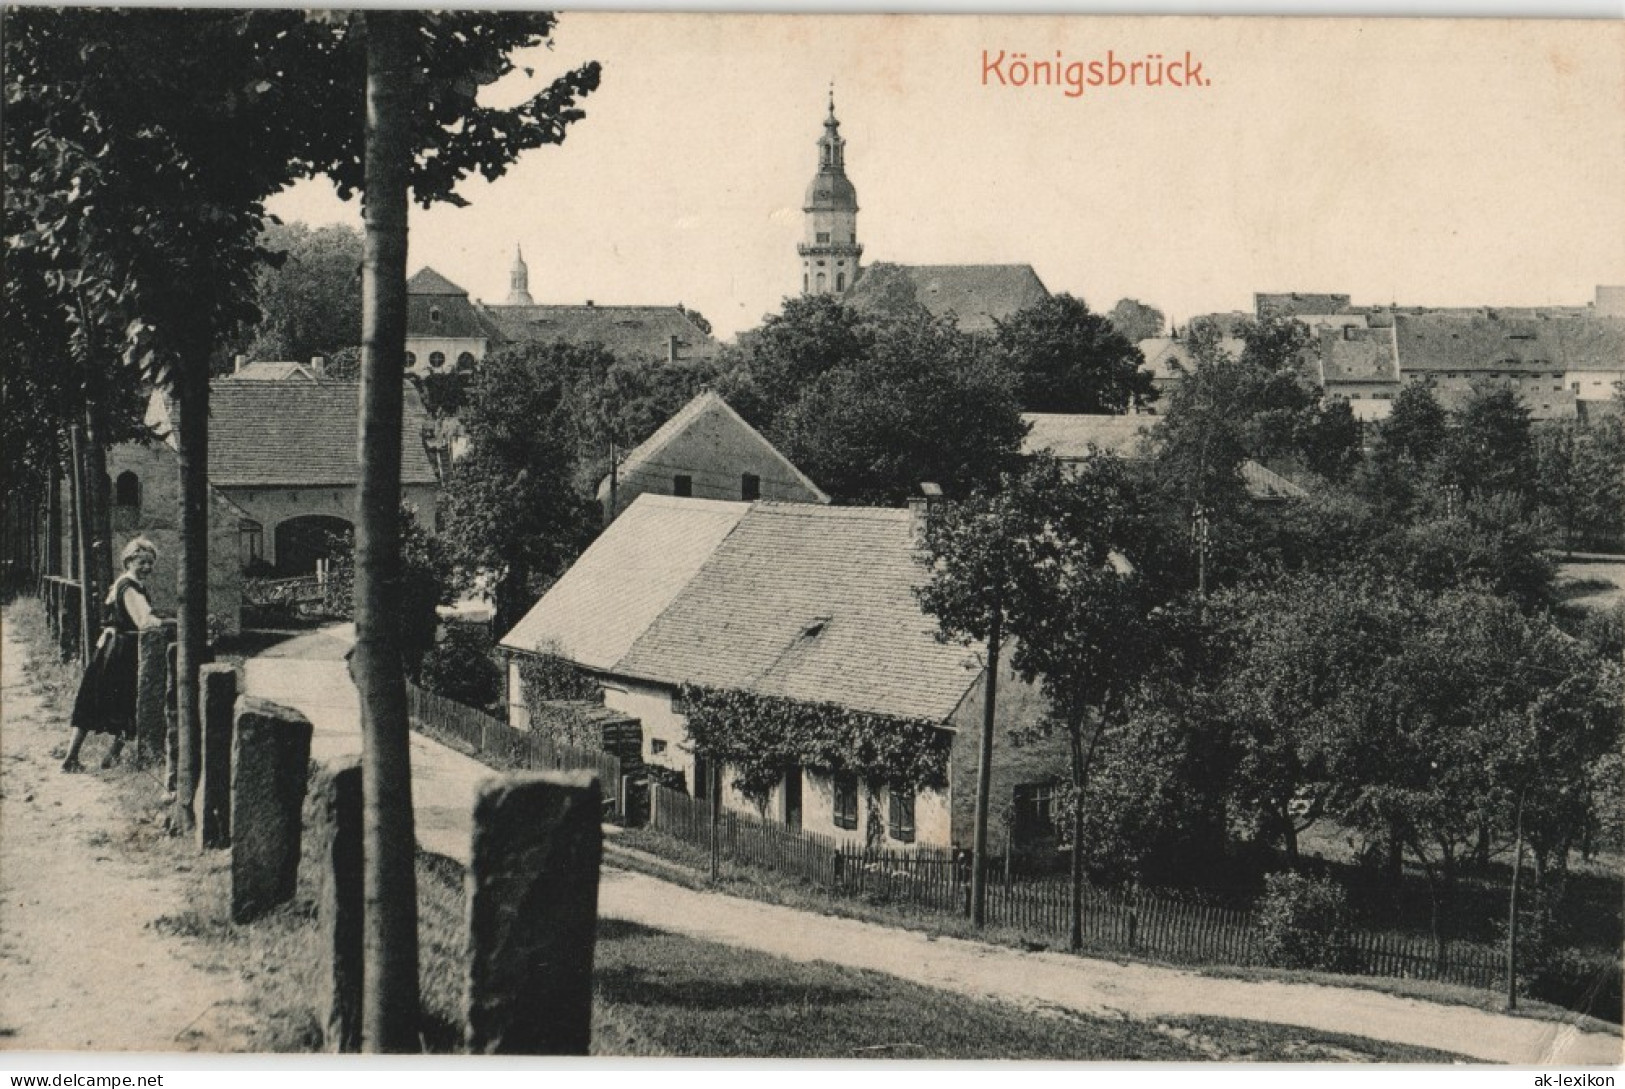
(83, 519)
(984, 777)
(1075, 933)
(101, 504)
(191, 582)
(511, 593)
(390, 969)
(51, 556)
(1289, 835)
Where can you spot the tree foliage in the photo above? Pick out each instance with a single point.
(1136, 321)
(512, 509)
(1069, 359)
(309, 296)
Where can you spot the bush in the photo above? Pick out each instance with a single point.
(1303, 922)
(460, 667)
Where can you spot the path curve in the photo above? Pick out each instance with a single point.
(310, 676)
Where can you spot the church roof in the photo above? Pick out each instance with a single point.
(980, 296)
(628, 331)
(426, 281)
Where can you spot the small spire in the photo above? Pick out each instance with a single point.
(832, 99)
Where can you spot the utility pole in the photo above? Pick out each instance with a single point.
(1201, 533)
(984, 771)
(1512, 909)
(614, 483)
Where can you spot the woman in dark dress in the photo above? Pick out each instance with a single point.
(106, 699)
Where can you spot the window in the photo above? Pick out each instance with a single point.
(823, 236)
(846, 800)
(900, 814)
(821, 281)
(840, 281)
(679, 706)
(411, 359)
(437, 360)
(750, 487)
(434, 314)
(1034, 816)
(656, 746)
(127, 490)
(465, 362)
(682, 484)
(250, 542)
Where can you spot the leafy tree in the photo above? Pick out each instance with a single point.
(1580, 480)
(1415, 429)
(1136, 321)
(460, 667)
(886, 290)
(1069, 359)
(1048, 561)
(309, 299)
(512, 508)
(1490, 446)
(424, 585)
(1331, 440)
(766, 370)
(924, 403)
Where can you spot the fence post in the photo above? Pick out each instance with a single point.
(151, 687)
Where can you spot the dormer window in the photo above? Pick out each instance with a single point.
(434, 315)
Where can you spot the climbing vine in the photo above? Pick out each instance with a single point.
(762, 737)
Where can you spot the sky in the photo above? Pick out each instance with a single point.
(1425, 162)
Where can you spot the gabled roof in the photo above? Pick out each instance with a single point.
(1165, 357)
(426, 281)
(806, 602)
(629, 575)
(980, 296)
(1358, 355)
(430, 317)
(629, 331)
(648, 453)
(1264, 483)
(273, 372)
(294, 434)
(1073, 435)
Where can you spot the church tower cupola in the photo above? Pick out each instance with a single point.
(830, 251)
(519, 281)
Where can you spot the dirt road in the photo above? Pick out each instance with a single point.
(85, 962)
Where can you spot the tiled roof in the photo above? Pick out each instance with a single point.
(1435, 342)
(1070, 436)
(431, 316)
(1291, 304)
(426, 281)
(272, 372)
(1263, 483)
(300, 433)
(648, 452)
(1358, 355)
(978, 295)
(630, 574)
(813, 604)
(1166, 357)
(807, 602)
(628, 331)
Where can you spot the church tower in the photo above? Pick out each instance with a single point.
(519, 281)
(830, 250)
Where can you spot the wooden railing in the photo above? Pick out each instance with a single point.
(492, 741)
(1139, 922)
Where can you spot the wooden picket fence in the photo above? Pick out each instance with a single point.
(1136, 921)
(60, 596)
(493, 741)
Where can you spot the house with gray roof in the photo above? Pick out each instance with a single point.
(285, 455)
(802, 602)
(708, 451)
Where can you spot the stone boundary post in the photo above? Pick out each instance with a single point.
(533, 914)
(151, 682)
(270, 762)
(219, 684)
(338, 823)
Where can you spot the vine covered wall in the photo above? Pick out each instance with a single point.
(761, 737)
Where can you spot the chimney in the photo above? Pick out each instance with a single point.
(238, 361)
(920, 506)
(589, 302)
(318, 366)
(671, 349)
